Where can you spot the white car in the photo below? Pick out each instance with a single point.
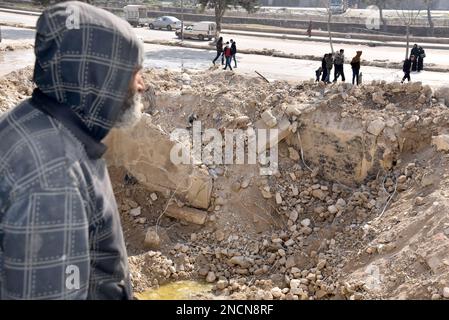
(165, 22)
(338, 6)
(200, 30)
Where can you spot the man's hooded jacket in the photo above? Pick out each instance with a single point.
(60, 232)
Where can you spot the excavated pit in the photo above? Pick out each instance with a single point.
(357, 209)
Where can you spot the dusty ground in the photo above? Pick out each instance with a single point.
(362, 215)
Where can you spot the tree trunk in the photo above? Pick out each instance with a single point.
(382, 19)
(182, 20)
(329, 19)
(429, 18)
(218, 17)
(408, 42)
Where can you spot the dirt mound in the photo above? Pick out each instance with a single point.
(15, 87)
(13, 45)
(357, 209)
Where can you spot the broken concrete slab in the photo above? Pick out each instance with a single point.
(376, 127)
(187, 214)
(283, 132)
(144, 151)
(152, 239)
(269, 119)
(441, 142)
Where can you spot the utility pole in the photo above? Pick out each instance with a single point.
(182, 20)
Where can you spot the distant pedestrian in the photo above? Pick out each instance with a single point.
(339, 66)
(329, 65)
(228, 56)
(355, 64)
(234, 52)
(309, 29)
(318, 74)
(219, 47)
(421, 56)
(407, 68)
(415, 53)
(324, 68)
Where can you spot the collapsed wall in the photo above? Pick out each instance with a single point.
(351, 133)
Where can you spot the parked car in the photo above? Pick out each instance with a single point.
(338, 6)
(136, 15)
(200, 30)
(165, 22)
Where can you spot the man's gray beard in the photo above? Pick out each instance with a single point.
(132, 112)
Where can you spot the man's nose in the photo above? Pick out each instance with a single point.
(140, 85)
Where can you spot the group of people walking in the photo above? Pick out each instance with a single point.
(414, 63)
(227, 51)
(336, 61)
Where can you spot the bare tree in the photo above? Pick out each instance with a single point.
(429, 4)
(408, 17)
(329, 14)
(220, 7)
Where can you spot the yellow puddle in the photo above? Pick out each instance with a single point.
(180, 290)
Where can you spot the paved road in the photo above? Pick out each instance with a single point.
(175, 58)
(271, 67)
(248, 40)
(437, 57)
(26, 20)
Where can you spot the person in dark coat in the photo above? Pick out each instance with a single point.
(407, 66)
(234, 52)
(60, 229)
(421, 56)
(219, 46)
(329, 65)
(309, 29)
(355, 65)
(415, 53)
(324, 68)
(228, 55)
(318, 74)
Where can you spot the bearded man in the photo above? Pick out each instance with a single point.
(60, 231)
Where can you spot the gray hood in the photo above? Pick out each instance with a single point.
(85, 59)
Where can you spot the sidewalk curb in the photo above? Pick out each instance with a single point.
(339, 41)
(24, 12)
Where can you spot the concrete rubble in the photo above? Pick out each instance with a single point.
(355, 210)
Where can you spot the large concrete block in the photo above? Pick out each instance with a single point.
(441, 142)
(187, 214)
(144, 151)
(282, 126)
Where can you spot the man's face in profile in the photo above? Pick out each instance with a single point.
(133, 106)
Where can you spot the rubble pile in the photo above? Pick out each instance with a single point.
(15, 87)
(357, 209)
(13, 45)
